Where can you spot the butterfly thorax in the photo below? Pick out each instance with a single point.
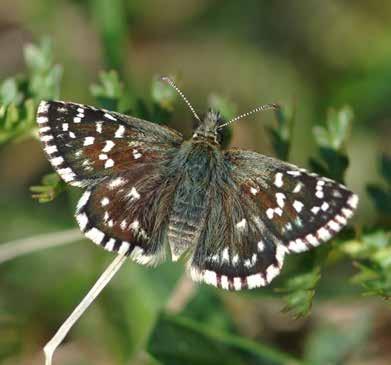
(207, 130)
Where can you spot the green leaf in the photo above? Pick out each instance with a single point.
(381, 196)
(372, 253)
(336, 132)
(331, 140)
(44, 78)
(51, 187)
(110, 92)
(281, 134)
(163, 94)
(176, 340)
(299, 292)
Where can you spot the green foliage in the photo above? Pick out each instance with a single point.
(331, 141)
(52, 186)
(380, 195)
(111, 93)
(19, 95)
(176, 340)
(281, 134)
(371, 254)
(299, 291)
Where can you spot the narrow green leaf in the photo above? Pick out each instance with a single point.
(299, 292)
(178, 340)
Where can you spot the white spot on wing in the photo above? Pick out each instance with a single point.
(294, 173)
(95, 235)
(110, 244)
(280, 197)
(119, 133)
(297, 187)
(134, 194)
(88, 141)
(109, 116)
(261, 246)
(82, 220)
(117, 182)
(324, 234)
(124, 224)
(210, 277)
(254, 191)
(124, 247)
(57, 161)
(278, 180)
(109, 163)
(136, 154)
(51, 149)
(47, 138)
(225, 255)
(353, 201)
(271, 272)
(105, 201)
(108, 146)
(298, 205)
(319, 194)
(99, 127)
(255, 281)
(42, 120)
(224, 282)
(241, 225)
(315, 209)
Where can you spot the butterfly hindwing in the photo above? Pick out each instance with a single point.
(84, 144)
(235, 251)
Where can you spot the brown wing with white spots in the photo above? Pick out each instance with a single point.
(85, 144)
(235, 250)
(301, 209)
(129, 213)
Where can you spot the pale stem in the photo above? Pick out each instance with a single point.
(103, 280)
(13, 249)
(184, 290)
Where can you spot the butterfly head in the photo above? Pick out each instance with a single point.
(208, 129)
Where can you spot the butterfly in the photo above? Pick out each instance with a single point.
(232, 214)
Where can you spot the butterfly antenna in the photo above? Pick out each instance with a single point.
(256, 110)
(172, 84)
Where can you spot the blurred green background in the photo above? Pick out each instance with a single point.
(306, 55)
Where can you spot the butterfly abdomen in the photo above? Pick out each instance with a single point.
(191, 197)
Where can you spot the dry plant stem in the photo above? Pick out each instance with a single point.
(13, 249)
(103, 280)
(183, 292)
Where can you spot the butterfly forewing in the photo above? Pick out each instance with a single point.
(302, 209)
(85, 144)
(129, 213)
